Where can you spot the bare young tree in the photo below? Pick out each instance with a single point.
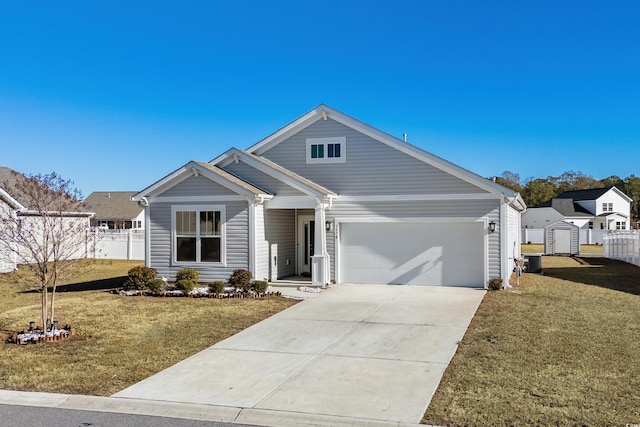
(45, 228)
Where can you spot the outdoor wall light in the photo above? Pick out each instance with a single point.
(492, 227)
(328, 225)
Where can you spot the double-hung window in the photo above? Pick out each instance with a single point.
(607, 207)
(198, 234)
(327, 150)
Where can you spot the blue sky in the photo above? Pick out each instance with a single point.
(116, 95)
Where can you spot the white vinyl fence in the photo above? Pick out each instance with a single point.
(125, 244)
(587, 236)
(623, 246)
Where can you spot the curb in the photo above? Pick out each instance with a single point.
(226, 414)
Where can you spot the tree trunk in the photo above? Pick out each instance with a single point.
(53, 297)
(44, 307)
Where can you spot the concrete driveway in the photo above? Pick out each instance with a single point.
(351, 355)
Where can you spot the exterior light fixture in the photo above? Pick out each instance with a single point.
(492, 227)
(328, 225)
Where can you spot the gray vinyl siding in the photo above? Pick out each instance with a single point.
(197, 186)
(371, 167)
(261, 180)
(473, 209)
(280, 226)
(237, 242)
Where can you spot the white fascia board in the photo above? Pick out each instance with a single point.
(266, 169)
(421, 220)
(292, 202)
(517, 202)
(322, 111)
(419, 197)
(189, 170)
(11, 201)
(167, 182)
(621, 194)
(422, 155)
(288, 130)
(28, 212)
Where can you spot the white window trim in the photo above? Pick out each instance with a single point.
(223, 234)
(342, 140)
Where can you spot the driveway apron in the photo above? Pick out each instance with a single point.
(366, 352)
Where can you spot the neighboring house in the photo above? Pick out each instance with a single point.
(596, 209)
(17, 210)
(332, 197)
(114, 210)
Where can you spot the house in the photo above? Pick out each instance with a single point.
(334, 198)
(22, 213)
(596, 209)
(114, 210)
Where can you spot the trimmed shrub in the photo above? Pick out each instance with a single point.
(138, 277)
(157, 286)
(241, 279)
(185, 286)
(260, 286)
(495, 284)
(188, 274)
(216, 287)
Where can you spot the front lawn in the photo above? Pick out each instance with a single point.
(536, 248)
(563, 351)
(119, 340)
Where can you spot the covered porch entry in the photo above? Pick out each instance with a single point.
(296, 240)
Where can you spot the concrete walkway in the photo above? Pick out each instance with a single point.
(351, 355)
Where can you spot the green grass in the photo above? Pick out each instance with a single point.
(535, 248)
(119, 340)
(562, 351)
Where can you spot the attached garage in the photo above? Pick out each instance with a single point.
(416, 253)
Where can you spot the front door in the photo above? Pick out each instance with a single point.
(306, 234)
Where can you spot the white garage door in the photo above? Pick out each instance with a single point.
(450, 254)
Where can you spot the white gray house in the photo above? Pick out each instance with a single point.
(596, 209)
(334, 198)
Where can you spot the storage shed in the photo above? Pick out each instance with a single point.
(561, 238)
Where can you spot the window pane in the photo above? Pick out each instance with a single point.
(186, 223)
(210, 249)
(314, 151)
(210, 223)
(320, 151)
(333, 150)
(186, 250)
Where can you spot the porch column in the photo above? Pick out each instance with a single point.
(320, 258)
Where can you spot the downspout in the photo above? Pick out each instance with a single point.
(147, 236)
(503, 229)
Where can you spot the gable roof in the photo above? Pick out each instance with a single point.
(27, 204)
(8, 180)
(591, 194)
(113, 205)
(566, 207)
(210, 171)
(323, 112)
(274, 170)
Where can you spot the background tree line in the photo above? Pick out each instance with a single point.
(538, 190)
